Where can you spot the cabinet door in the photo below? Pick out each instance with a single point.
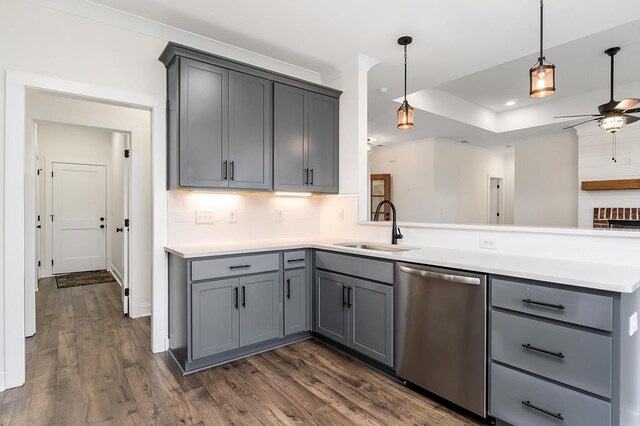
(259, 312)
(371, 320)
(214, 317)
(331, 306)
(295, 301)
(250, 152)
(323, 143)
(290, 138)
(204, 127)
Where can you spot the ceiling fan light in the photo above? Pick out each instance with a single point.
(612, 123)
(405, 116)
(542, 80)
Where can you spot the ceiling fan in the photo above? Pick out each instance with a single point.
(614, 115)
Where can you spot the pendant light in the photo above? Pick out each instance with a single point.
(542, 77)
(405, 112)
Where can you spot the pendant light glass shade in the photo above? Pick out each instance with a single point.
(542, 76)
(542, 80)
(405, 116)
(612, 123)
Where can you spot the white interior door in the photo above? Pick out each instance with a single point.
(79, 217)
(124, 224)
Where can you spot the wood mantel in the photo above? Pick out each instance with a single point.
(610, 185)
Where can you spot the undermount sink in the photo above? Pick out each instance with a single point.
(375, 247)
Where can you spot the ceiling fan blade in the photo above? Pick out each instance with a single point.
(632, 111)
(632, 119)
(577, 116)
(584, 122)
(625, 104)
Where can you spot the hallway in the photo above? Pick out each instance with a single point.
(89, 364)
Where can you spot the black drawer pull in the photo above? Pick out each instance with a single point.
(344, 301)
(306, 179)
(543, 411)
(288, 288)
(244, 297)
(225, 169)
(548, 305)
(349, 303)
(544, 351)
(296, 260)
(236, 298)
(240, 267)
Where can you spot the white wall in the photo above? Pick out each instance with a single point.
(73, 144)
(256, 217)
(437, 180)
(595, 153)
(546, 180)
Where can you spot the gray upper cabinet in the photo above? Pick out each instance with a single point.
(371, 319)
(305, 140)
(224, 118)
(259, 313)
(204, 131)
(295, 301)
(331, 306)
(250, 143)
(215, 321)
(323, 143)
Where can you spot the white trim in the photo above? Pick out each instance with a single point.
(145, 310)
(13, 221)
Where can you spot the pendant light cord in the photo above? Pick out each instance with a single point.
(612, 76)
(541, 30)
(405, 77)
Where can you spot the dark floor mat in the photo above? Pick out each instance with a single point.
(84, 278)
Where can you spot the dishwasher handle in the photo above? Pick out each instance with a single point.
(461, 279)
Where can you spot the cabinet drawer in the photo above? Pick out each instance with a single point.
(357, 266)
(295, 259)
(231, 266)
(577, 358)
(524, 400)
(585, 309)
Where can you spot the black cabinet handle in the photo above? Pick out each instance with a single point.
(349, 303)
(233, 170)
(239, 267)
(544, 351)
(224, 169)
(236, 297)
(344, 299)
(543, 411)
(306, 179)
(296, 260)
(311, 183)
(547, 305)
(288, 288)
(244, 297)
(118, 229)
(101, 226)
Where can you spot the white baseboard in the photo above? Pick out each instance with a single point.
(2, 381)
(116, 274)
(145, 310)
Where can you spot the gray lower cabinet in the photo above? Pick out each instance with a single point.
(305, 128)
(259, 310)
(215, 325)
(356, 313)
(295, 301)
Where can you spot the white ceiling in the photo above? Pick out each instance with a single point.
(452, 39)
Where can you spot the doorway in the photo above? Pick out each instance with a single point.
(496, 188)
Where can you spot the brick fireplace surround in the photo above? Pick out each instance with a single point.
(602, 215)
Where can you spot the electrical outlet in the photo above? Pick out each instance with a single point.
(233, 216)
(633, 324)
(204, 217)
(341, 215)
(279, 215)
(488, 243)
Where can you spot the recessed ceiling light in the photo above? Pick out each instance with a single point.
(383, 90)
(510, 103)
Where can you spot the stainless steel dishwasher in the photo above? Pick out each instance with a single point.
(441, 340)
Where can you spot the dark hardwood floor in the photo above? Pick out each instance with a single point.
(89, 364)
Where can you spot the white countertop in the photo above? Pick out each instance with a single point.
(615, 278)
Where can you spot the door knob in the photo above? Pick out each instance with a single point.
(102, 219)
(118, 229)
(101, 226)
(39, 226)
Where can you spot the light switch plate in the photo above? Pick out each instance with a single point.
(488, 243)
(204, 217)
(633, 324)
(233, 216)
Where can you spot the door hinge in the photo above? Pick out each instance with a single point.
(38, 218)
(51, 174)
(126, 292)
(38, 171)
(126, 153)
(497, 214)
(51, 262)
(498, 186)
(126, 223)
(39, 263)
